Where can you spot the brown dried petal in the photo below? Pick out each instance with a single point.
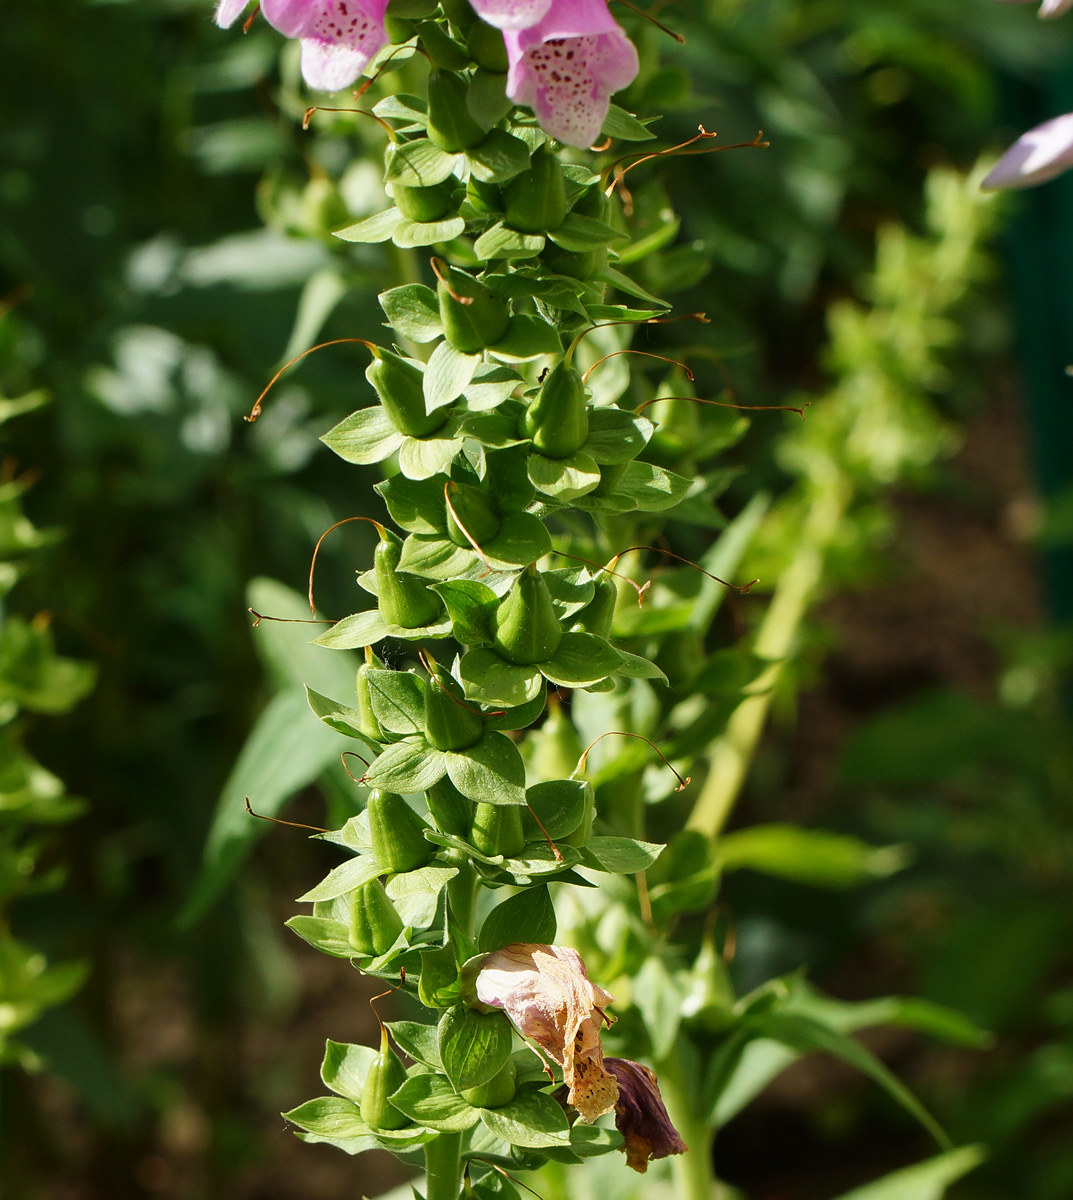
(641, 1115)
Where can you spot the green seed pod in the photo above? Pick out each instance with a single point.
(443, 51)
(597, 615)
(585, 264)
(497, 1091)
(386, 1075)
(401, 388)
(403, 599)
(369, 725)
(485, 197)
(472, 510)
(497, 829)
(450, 723)
(396, 833)
(593, 202)
(487, 48)
(555, 746)
(536, 199)
(527, 626)
(374, 920)
(452, 812)
(423, 203)
(558, 419)
(450, 125)
(610, 474)
(474, 318)
(581, 835)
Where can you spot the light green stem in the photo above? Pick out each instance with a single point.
(694, 1176)
(729, 759)
(443, 1167)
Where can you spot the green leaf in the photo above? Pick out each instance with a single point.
(447, 375)
(580, 660)
(527, 338)
(499, 158)
(564, 479)
(620, 855)
(365, 437)
(922, 1181)
(398, 701)
(437, 557)
(499, 242)
(578, 234)
(491, 385)
(642, 488)
(431, 1101)
(345, 878)
(438, 985)
(419, 1041)
(419, 163)
(329, 1116)
(810, 856)
(616, 436)
(471, 606)
(415, 505)
(413, 310)
(412, 235)
(621, 124)
(345, 1068)
(474, 1047)
(516, 718)
(560, 804)
(633, 666)
(522, 539)
(421, 458)
(659, 999)
(490, 679)
(624, 283)
(527, 917)
(325, 935)
(491, 771)
(571, 588)
(378, 228)
(346, 721)
(416, 894)
(409, 766)
(531, 1119)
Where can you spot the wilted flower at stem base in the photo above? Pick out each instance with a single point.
(641, 1115)
(546, 992)
(339, 37)
(566, 58)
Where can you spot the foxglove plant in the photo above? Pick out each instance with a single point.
(517, 464)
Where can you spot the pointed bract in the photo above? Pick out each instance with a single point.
(566, 67)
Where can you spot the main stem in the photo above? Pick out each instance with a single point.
(694, 1175)
(729, 759)
(443, 1167)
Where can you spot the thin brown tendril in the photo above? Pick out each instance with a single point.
(359, 92)
(649, 17)
(506, 1174)
(727, 404)
(682, 783)
(313, 564)
(639, 588)
(247, 25)
(352, 754)
(361, 112)
(604, 145)
(696, 316)
(437, 265)
(644, 900)
(277, 821)
(681, 150)
(288, 620)
(644, 354)
(547, 836)
(743, 589)
(465, 532)
(255, 412)
(384, 996)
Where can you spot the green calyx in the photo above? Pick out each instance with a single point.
(367, 722)
(452, 812)
(597, 615)
(485, 197)
(450, 723)
(487, 48)
(386, 1076)
(558, 419)
(442, 50)
(423, 203)
(499, 1090)
(450, 125)
(397, 833)
(536, 199)
(401, 388)
(374, 921)
(584, 264)
(403, 599)
(470, 512)
(497, 829)
(473, 317)
(527, 628)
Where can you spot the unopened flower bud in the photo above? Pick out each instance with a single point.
(386, 1075)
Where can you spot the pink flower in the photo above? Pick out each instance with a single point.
(641, 1116)
(1036, 156)
(1048, 8)
(566, 65)
(339, 37)
(546, 992)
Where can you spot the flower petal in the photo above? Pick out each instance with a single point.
(511, 14)
(1054, 8)
(641, 1116)
(1035, 157)
(228, 12)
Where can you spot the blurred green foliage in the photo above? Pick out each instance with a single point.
(159, 301)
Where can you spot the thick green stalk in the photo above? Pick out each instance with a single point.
(694, 1176)
(731, 755)
(443, 1167)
